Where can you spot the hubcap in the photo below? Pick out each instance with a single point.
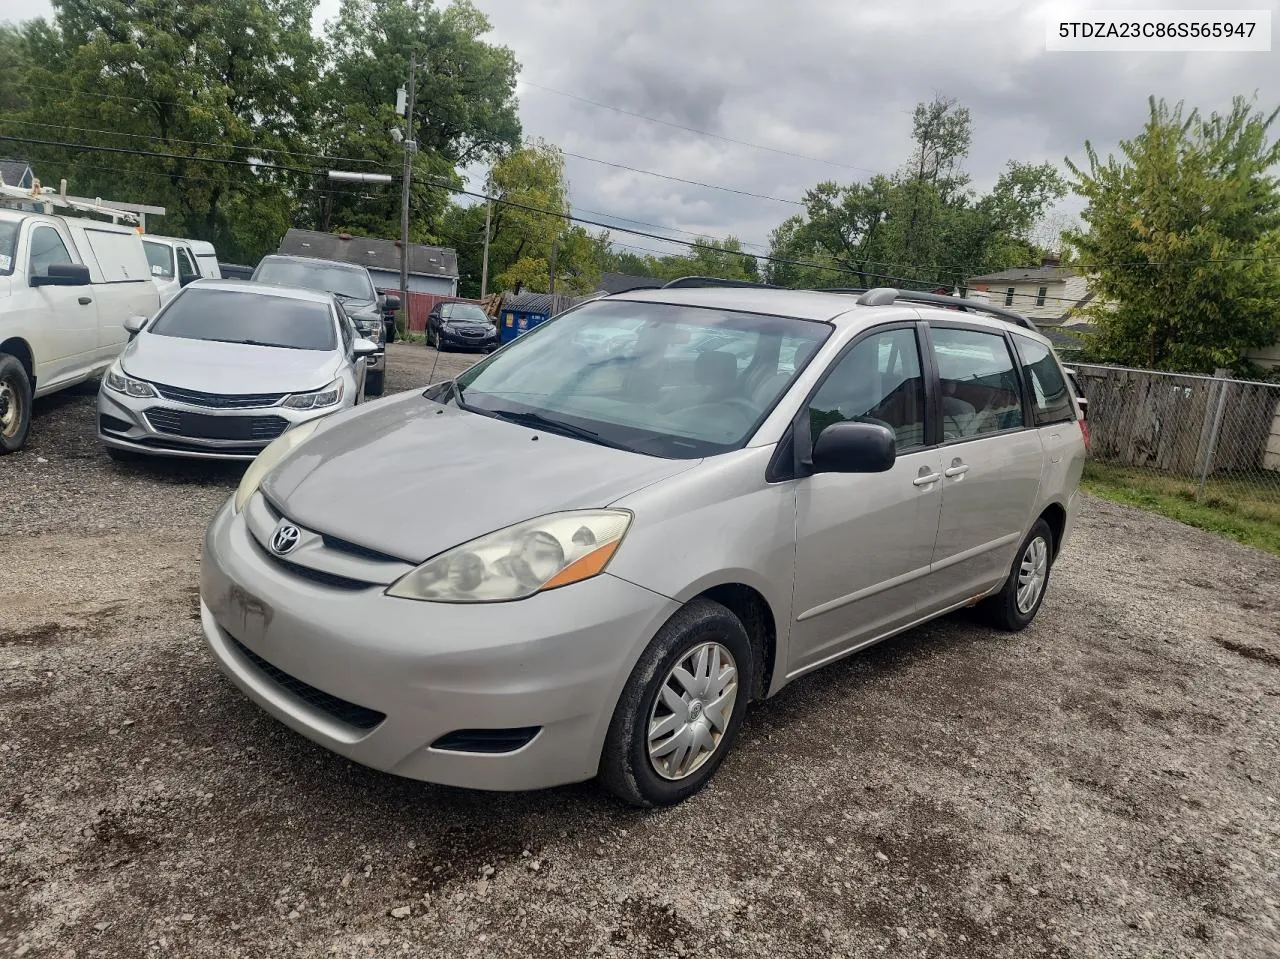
(692, 711)
(10, 409)
(1032, 573)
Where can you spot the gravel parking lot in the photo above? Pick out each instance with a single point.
(1104, 784)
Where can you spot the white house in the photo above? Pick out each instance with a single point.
(1047, 294)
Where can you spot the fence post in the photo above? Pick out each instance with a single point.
(1212, 446)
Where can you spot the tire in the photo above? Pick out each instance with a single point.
(1004, 610)
(15, 404)
(373, 382)
(391, 332)
(626, 768)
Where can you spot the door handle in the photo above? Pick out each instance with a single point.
(959, 469)
(926, 479)
(85, 300)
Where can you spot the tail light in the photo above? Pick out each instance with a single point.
(1084, 431)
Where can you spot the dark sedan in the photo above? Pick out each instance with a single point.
(461, 326)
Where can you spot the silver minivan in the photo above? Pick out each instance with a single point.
(593, 558)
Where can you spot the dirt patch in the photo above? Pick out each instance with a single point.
(1256, 653)
(43, 635)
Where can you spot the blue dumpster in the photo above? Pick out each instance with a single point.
(521, 312)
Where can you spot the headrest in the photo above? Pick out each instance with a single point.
(716, 369)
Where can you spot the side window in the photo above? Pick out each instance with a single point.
(878, 381)
(186, 265)
(47, 249)
(980, 392)
(1049, 388)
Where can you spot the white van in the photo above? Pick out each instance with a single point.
(173, 264)
(206, 259)
(67, 287)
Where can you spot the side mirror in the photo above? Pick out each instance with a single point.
(64, 274)
(187, 278)
(855, 448)
(391, 303)
(364, 347)
(134, 324)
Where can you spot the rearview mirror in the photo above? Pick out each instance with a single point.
(134, 324)
(855, 448)
(64, 274)
(365, 348)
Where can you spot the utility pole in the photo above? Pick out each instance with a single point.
(484, 270)
(554, 243)
(410, 147)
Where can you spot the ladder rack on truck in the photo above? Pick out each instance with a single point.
(39, 199)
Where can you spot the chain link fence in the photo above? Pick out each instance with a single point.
(1213, 439)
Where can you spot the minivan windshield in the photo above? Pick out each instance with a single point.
(673, 381)
(344, 281)
(255, 319)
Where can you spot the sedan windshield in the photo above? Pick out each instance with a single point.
(646, 377)
(343, 281)
(256, 319)
(465, 313)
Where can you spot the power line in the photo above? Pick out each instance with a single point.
(662, 226)
(704, 133)
(665, 176)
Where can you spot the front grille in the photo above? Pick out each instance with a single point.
(219, 401)
(306, 572)
(359, 717)
(487, 740)
(355, 549)
(110, 424)
(205, 427)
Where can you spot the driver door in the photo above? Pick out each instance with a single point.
(864, 541)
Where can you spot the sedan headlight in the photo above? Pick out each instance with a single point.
(328, 396)
(116, 380)
(521, 560)
(270, 458)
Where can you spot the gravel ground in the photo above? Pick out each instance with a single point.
(1104, 784)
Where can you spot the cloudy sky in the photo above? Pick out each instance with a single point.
(828, 85)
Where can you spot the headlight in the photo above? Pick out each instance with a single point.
(270, 458)
(521, 560)
(328, 396)
(116, 380)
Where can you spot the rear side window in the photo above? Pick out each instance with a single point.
(47, 249)
(120, 255)
(980, 392)
(1050, 399)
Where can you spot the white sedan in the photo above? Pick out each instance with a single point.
(226, 367)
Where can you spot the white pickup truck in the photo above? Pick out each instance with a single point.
(67, 287)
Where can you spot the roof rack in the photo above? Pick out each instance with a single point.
(885, 295)
(695, 282)
(45, 200)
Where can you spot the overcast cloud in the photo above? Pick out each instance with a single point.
(831, 80)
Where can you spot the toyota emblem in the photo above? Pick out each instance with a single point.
(285, 538)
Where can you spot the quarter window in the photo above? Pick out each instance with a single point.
(878, 381)
(980, 391)
(47, 249)
(1051, 402)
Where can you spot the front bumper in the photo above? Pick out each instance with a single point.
(124, 423)
(556, 662)
(378, 361)
(459, 342)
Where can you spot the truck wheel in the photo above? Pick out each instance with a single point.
(15, 404)
(373, 382)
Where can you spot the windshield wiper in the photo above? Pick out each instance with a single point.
(538, 421)
(281, 346)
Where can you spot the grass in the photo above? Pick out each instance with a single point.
(1243, 509)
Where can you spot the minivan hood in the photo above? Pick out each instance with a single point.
(227, 367)
(410, 478)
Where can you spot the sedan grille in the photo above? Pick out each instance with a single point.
(205, 427)
(349, 713)
(219, 401)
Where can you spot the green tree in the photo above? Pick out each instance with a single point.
(922, 226)
(213, 80)
(464, 113)
(1183, 240)
(15, 65)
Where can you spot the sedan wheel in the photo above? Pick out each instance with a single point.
(681, 708)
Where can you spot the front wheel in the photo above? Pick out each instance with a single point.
(681, 709)
(373, 382)
(1015, 606)
(15, 404)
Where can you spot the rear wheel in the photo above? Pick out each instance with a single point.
(681, 709)
(373, 383)
(1015, 606)
(15, 404)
